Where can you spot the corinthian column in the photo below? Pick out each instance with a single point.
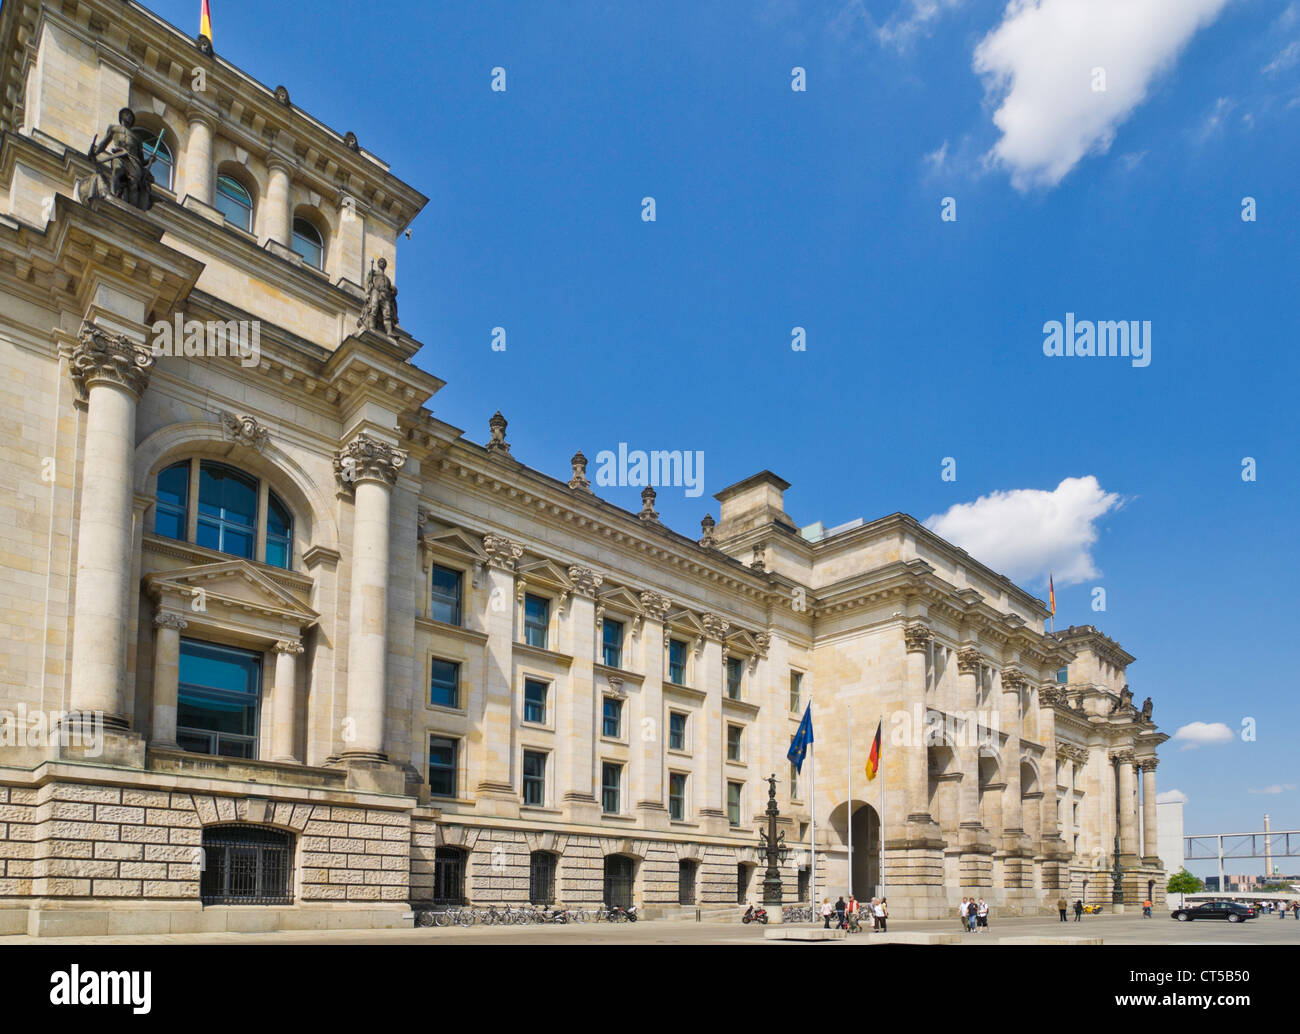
(284, 714)
(369, 468)
(1127, 817)
(166, 677)
(1150, 843)
(1013, 685)
(111, 373)
(969, 663)
(916, 770)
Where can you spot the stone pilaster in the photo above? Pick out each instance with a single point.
(491, 754)
(166, 675)
(648, 783)
(712, 740)
(284, 709)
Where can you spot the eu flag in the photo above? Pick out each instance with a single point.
(803, 738)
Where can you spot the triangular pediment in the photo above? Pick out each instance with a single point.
(546, 572)
(621, 598)
(235, 583)
(458, 542)
(685, 619)
(742, 640)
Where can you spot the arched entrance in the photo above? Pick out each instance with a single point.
(619, 872)
(865, 874)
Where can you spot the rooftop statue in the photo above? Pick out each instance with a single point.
(380, 312)
(121, 166)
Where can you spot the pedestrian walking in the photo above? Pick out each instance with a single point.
(851, 911)
(961, 912)
(1078, 909)
(881, 912)
(827, 912)
(1146, 909)
(971, 915)
(1060, 907)
(982, 915)
(840, 906)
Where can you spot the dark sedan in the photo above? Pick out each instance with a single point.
(1229, 910)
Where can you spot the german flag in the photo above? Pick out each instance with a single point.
(873, 760)
(205, 21)
(1051, 586)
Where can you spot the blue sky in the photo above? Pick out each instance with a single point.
(821, 209)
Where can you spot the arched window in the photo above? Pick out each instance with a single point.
(246, 865)
(155, 148)
(307, 243)
(234, 509)
(234, 202)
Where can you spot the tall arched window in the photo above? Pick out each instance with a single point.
(307, 243)
(234, 202)
(236, 513)
(155, 147)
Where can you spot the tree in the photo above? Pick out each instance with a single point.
(1184, 882)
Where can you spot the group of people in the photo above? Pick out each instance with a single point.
(974, 915)
(1062, 905)
(852, 914)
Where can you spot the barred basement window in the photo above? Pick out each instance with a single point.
(246, 865)
(541, 878)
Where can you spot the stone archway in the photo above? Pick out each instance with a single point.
(863, 873)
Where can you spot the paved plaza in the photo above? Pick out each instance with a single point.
(1112, 929)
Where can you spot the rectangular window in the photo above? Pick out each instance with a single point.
(534, 778)
(611, 776)
(613, 643)
(677, 796)
(1063, 675)
(794, 782)
(445, 602)
(442, 767)
(676, 662)
(171, 512)
(444, 683)
(676, 730)
(734, 732)
(535, 701)
(612, 725)
(218, 699)
(735, 671)
(733, 802)
(537, 620)
(796, 690)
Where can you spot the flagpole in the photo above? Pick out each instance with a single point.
(812, 807)
(850, 880)
(879, 759)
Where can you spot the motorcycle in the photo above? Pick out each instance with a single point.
(754, 915)
(622, 915)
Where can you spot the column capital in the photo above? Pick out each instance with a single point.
(165, 619)
(715, 627)
(1012, 680)
(1050, 695)
(1148, 764)
(586, 582)
(502, 554)
(368, 459)
(655, 606)
(917, 636)
(293, 647)
(1124, 755)
(103, 357)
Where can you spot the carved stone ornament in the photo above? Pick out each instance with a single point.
(1146, 709)
(166, 620)
(1050, 696)
(759, 562)
(109, 358)
(969, 660)
(1148, 764)
(1013, 679)
(205, 45)
(243, 430)
(579, 482)
(648, 513)
(715, 627)
(368, 459)
(706, 531)
(616, 689)
(350, 141)
(1124, 755)
(497, 427)
(586, 582)
(917, 637)
(289, 646)
(282, 95)
(763, 640)
(501, 552)
(380, 310)
(655, 605)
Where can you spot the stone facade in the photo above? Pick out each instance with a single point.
(999, 778)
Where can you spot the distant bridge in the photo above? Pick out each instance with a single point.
(1268, 845)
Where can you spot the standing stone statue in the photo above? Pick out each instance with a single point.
(121, 169)
(380, 312)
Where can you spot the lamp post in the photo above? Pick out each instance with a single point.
(1117, 878)
(772, 845)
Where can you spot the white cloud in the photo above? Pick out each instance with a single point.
(1039, 67)
(1028, 532)
(1287, 57)
(1171, 797)
(1203, 734)
(912, 19)
(1276, 788)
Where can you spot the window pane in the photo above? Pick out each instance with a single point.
(157, 156)
(733, 803)
(534, 778)
(278, 520)
(734, 671)
(676, 730)
(444, 683)
(172, 509)
(442, 767)
(535, 701)
(613, 714)
(445, 605)
(609, 787)
(676, 662)
(227, 509)
(733, 742)
(217, 700)
(613, 643)
(537, 616)
(233, 202)
(307, 243)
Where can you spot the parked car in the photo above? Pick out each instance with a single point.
(1232, 911)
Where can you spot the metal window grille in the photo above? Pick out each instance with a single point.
(618, 881)
(685, 882)
(246, 865)
(448, 876)
(541, 878)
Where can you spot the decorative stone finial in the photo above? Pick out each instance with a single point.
(579, 482)
(648, 513)
(497, 425)
(706, 531)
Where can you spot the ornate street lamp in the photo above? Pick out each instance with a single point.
(772, 844)
(1117, 878)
